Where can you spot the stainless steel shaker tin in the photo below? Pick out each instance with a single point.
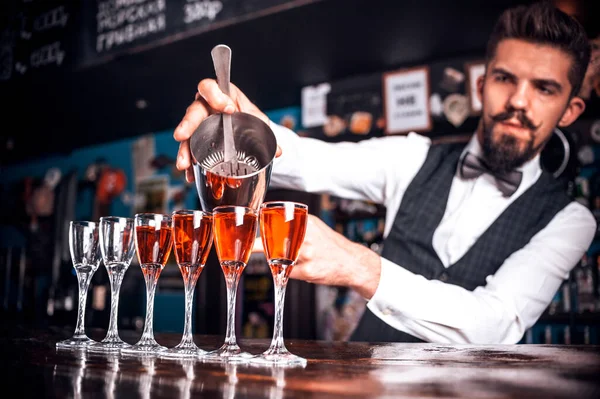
(256, 146)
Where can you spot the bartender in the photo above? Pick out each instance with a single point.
(478, 238)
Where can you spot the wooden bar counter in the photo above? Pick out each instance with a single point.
(32, 367)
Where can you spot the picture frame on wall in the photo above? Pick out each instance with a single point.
(474, 70)
(406, 100)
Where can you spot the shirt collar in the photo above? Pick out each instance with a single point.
(531, 169)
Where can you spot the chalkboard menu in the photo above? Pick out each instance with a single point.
(51, 35)
(113, 26)
(36, 37)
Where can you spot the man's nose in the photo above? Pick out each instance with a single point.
(519, 98)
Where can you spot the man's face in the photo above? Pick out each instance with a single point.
(525, 94)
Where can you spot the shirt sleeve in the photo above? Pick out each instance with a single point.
(499, 312)
(369, 170)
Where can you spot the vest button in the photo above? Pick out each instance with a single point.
(443, 277)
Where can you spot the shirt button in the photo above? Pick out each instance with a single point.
(443, 277)
(387, 311)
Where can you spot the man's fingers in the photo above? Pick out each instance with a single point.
(189, 175)
(183, 156)
(194, 114)
(214, 97)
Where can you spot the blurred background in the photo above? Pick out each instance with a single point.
(92, 91)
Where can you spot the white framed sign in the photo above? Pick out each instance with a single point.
(474, 71)
(406, 97)
(314, 105)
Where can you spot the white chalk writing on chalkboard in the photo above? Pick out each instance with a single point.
(24, 33)
(196, 10)
(45, 50)
(56, 17)
(49, 54)
(20, 68)
(124, 21)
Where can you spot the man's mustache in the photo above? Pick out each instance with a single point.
(519, 115)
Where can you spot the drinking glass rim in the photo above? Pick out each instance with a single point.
(116, 219)
(221, 209)
(272, 204)
(151, 214)
(183, 212)
(87, 223)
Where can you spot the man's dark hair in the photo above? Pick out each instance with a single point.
(543, 23)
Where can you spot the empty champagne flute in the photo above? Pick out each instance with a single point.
(282, 230)
(153, 245)
(117, 246)
(85, 255)
(192, 238)
(234, 230)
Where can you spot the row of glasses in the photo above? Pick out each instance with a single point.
(112, 240)
(282, 229)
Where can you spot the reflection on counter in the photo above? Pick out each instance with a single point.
(334, 370)
(78, 373)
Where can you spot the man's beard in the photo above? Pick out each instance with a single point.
(503, 153)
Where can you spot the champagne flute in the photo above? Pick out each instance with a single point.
(85, 255)
(153, 245)
(234, 230)
(192, 237)
(117, 245)
(282, 229)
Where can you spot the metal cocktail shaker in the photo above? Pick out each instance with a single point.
(255, 145)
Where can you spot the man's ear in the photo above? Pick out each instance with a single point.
(574, 109)
(480, 81)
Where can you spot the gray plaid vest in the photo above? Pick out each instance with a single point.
(409, 242)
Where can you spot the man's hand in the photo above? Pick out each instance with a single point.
(327, 257)
(209, 100)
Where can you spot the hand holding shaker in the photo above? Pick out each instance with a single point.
(231, 172)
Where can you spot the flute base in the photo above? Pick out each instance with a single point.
(110, 345)
(278, 356)
(184, 350)
(227, 353)
(145, 346)
(75, 342)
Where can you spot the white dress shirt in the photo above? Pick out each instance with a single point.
(380, 170)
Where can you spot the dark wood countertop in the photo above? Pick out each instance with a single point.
(32, 367)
